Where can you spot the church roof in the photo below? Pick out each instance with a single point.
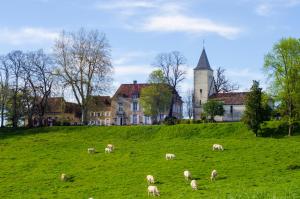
(203, 63)
(234, 98)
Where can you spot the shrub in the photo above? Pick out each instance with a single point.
(170, 121)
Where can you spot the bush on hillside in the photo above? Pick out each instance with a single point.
(170, 120)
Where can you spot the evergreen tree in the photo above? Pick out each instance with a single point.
(254, 113)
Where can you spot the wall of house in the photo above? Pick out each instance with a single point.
(100, 117)
(235, 115)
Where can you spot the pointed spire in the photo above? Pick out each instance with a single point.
(203, 63)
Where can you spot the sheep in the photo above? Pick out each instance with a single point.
(153, 190)
(194, 185)
(108, 150)
(150, 179)
(64, 177)
(91, 150)
(217, 147)
(213, 175)
(187, 175)
(170, 156)
(111, 146)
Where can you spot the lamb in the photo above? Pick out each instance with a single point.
(91, 150)
(111, 146)
(213, 175)
(170, 156)
(217, 147)
(108, 150)
(150, 179)
(194, 185)
(153, 190)
(64, 177)
(187, 175)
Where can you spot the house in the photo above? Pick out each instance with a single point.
(127, 110)
(59, 111)
(204, 90)
(100, 111)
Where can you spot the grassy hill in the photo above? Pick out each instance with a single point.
(31, 162)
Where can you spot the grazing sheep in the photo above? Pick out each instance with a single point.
(153, 190)
(194, 185)
(91, 150)
(170, 156)
(187, 175)
(217, 147)
(150, 179)
(64, 177)
(213, 175)
(108, 150)
(111, 146)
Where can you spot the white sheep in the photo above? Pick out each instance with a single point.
(64, 177)
(153, 190)
(213, 175)
(91, 150)
(187, 175)
(217, 147)
(111, 146)
(170, 156)
(194, 185)
(150, 179)
(108, 150)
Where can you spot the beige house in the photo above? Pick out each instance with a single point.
(127, 110)
(204, 89)
(60, 112)
(100, 111)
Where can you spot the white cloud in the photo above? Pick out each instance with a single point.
(268, 7)
(133, 70)
(26, 35)
(182, 23)
(124, 4)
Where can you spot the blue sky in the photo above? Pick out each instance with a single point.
(237, 33)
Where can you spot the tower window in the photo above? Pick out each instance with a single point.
(200, 102)
(200, 91)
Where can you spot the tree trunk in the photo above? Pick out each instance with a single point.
(2, 115)
(290, 129)
(84, 116)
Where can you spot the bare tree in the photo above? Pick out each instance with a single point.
(15, 60)
(4, 87)
(189, 103)
(38, 79)
(84, 64)
(172, 66)
(222, 84)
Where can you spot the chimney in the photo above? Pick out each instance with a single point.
(134, 82)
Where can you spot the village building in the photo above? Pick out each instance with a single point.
(204, 90)
(60, 112)
(100, 111)
(126, 108)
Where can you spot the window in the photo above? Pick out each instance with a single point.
(200, 91)
(134, 119)
(99, 114)
(200, 102)
(231, 109)
(120, 106)
(134, 106)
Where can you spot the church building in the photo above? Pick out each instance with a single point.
(204, 90)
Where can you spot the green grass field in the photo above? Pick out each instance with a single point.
(31, 162)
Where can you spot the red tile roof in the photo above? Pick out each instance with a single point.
(234, 98)
(128, 90)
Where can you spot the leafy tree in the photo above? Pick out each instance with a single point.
(283, 67)
(155, 98)
(189, 103)
(253, 115)
(212, 108)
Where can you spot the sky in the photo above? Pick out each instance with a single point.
(236, 33)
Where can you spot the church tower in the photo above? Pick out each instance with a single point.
(203, 84)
